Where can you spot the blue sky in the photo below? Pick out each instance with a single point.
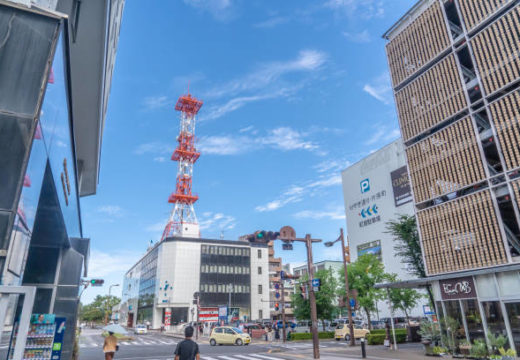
(293, 91)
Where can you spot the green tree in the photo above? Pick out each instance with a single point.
(407, 246)
(403, 299)
(96, 310)
(325, 298)
(363, 274)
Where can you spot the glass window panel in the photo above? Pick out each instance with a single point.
(27, 40)
(509, 283)
(486, 286)
(259, 253)
(473, 319)
(513, 312)
(4, 222)
(494, 317)
(453, 312)
(41, 266)
(15, 140)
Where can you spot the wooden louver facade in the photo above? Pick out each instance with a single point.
(506, 115)
(445, 162)
(497, 50)
(475, 12)
(417, 44)
(431, 98)
(461, 234)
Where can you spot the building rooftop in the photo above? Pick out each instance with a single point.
(405, 20)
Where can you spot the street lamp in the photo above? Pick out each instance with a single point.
(108, 301)
(344, 251)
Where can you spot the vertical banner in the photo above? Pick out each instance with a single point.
(167, 317)
(401, 186)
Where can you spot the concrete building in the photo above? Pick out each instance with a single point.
(376, 190)
(157, 289)
(55, 73)
(454, 68)
(335, 266)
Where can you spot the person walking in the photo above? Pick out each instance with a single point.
(187, 349)
(110, 346)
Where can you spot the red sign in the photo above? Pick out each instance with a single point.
(167, 318)
(209, 314)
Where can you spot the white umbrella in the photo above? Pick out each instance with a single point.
(116, 329)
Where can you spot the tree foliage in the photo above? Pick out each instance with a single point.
(407, 244)
(96, 310)
(403, 299)
(325, 298)
(363, 274)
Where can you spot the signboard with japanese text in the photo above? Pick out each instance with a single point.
(459, 288)
(401, 186)
(373, 247)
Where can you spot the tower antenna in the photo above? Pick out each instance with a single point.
(183, 221)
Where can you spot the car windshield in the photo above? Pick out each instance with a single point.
(237, 330)
(339, 327)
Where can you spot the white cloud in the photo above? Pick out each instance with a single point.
(246, 129)
(104, 264)
(272, 22)
(111, 210)
(360, 37)
(365, 9)
(265, 82)
(282, 138)
(154, 147)
(159, 159)
(380, 88)
(336, 214)
(331, 165)
(221, 10)
(296, 193)
(216, 222)
(157, 102)
(382, 135)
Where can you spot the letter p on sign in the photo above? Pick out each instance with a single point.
(365, 186)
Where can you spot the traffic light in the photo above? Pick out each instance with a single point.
(347, 254)
(303, 291)
(261, 236)
(276, 306)
(272, 235)
(97, 282)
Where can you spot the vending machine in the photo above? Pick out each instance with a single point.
(44, 339)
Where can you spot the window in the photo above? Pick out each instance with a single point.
(260, 314)
(230, 332)
(259, 253)
(259, 270)
(259, 289)
(218, 330)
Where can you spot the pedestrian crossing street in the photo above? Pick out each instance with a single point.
(93, 343)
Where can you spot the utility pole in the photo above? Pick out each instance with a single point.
(283, 308)
(345, 250)
(108, 302)
(312, 298)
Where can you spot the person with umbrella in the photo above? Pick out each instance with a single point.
(110, 346)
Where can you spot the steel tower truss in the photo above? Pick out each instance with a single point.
(185, 154)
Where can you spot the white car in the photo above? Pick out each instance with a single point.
(140, 329)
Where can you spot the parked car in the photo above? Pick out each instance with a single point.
(140, 329)
(343, 332)
(228, 335)
(378, 324)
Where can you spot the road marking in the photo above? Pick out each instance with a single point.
(264, 357)
(207, 358)
(226, 358)
(125, 343)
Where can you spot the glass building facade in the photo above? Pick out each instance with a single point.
(147, 286)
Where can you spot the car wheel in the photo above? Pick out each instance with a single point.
(347, 337)
(337, 339)
(212, 342)
(239, 342)
(247, 344)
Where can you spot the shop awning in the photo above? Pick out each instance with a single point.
(424, 282)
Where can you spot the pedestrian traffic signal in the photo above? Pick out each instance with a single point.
(276, 306)
(97, 282)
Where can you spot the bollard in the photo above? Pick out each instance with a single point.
(363, 350)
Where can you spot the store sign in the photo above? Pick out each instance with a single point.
(460, 288)
(167, 317)
(209, 314)
(401, 186)
(373, 247)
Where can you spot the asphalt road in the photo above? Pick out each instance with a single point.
(155, 346)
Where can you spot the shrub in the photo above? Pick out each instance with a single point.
(383, 331)
(308, 336)
(378, 339)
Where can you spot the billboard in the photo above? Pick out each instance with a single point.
(401, 186)
(373, 247)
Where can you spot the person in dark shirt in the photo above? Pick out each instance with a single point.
(187, 349)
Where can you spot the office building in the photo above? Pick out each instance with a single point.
(55, 73)
(455, 73)
(222, 273)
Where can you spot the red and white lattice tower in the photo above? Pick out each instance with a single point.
(183, 221)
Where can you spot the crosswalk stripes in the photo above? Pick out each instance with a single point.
(240, 357)
(139, 342)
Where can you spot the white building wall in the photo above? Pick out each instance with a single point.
(259, 301)
(179, 267)
(366, 184)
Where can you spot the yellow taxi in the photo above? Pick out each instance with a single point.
(228, 335)
(342, 332)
